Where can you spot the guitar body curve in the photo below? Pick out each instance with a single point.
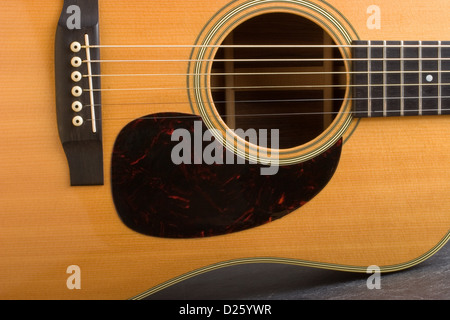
(385, 205)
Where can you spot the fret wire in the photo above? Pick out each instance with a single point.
(384, 79)
(402, 79)
(439, 78)
(420, 78)
(369, 69)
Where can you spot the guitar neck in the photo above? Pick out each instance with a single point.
(401, 78)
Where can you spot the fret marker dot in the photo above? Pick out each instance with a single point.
(429, 78)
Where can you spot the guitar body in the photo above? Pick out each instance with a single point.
(384, 200)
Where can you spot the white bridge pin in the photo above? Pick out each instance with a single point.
(75, 47)
(77, 91)
(77, 106)
(76, 76)
(77, 121)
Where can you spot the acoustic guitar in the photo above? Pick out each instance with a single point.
(146, 142)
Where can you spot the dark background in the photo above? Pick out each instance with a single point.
(429, 280)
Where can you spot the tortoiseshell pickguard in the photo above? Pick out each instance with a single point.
(155, 197)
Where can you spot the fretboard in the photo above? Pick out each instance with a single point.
(400, 78)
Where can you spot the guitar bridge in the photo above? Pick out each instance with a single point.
(78, 98)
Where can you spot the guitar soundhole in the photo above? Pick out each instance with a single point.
(297, 90)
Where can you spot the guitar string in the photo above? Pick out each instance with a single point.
(396, 112)
(275, 73)
(272, 87)
(280, 73)
(265, 60)
(261, 73)
(370, 45)
(268, 101)
(189, 116)
(286, 100)
(435, 44)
